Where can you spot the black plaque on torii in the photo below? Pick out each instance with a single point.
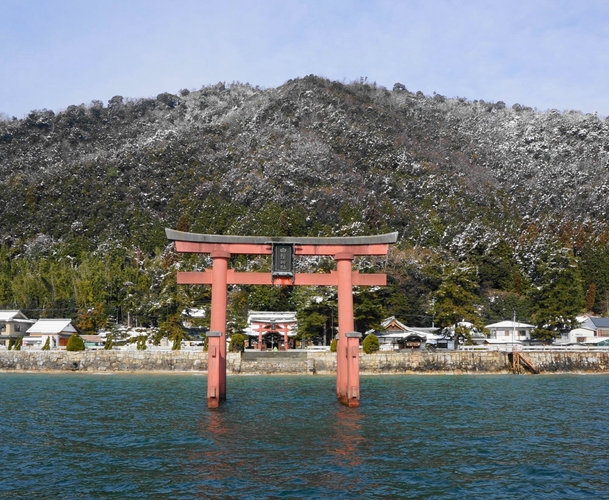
(283, 261)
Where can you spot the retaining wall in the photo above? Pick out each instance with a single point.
(100, 361)
(295, 362)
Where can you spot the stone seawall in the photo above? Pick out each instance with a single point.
(298, 362)
(567, 362)
(101, 361)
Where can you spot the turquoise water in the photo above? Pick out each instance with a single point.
(152, 437)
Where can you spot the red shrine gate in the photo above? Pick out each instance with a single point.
(283, 250)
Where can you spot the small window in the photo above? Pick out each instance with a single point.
(17, 328)
(2, 327)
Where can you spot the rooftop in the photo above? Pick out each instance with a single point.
(10, 315)
(510, 324)
(52, 326)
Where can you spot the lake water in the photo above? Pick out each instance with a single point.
(82, 436)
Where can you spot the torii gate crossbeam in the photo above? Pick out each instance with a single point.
(342, 249)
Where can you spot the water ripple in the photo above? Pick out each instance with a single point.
(152, 437)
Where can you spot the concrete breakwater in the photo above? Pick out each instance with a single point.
(298, 362)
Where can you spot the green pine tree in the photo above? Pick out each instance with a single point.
(456, 299)
(558, 297)
(334, 345)
(237, 342)
(75, 343)
(141, 343)
(371, 344)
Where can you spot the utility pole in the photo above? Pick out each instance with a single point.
(325, 339)
(513, 324)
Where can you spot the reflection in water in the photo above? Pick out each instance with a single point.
(249, 447)
(214, 461)
(214, 425)
(347, 436)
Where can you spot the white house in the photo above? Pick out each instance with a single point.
(57, 330)
(577, 336)
(510, 331)
(590, 329)
(600, 326)
(13, 325)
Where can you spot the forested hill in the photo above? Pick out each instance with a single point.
(473, 184)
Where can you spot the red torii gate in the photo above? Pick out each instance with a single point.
(343, 249)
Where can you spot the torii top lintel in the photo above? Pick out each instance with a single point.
(262, 245)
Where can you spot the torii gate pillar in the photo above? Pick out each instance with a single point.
(345, 324)
(216, 387)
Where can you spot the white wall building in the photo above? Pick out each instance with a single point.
(576, 336)
(590, 328)
(510, 331)
(57, 330)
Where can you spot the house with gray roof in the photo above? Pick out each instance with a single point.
(592, 330)
(578, 336)
(599, 325)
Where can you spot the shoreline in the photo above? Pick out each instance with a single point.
(299, 363)
(281, 374)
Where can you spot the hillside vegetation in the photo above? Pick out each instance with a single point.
(500, 211)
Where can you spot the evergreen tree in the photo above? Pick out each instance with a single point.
(172, 329)
(311, 325)
(315, 312)
(558, 296)
(368, 312)
(75, 343)
(590, 297)
(502, 305)
(237, 342)
(594, 266)
(456, 299)
(371, 344)
(141, 343)
(47, 345)
(176, 342)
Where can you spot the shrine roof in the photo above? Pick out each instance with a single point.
(302, 240)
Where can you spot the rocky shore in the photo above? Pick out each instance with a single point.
(299, 362)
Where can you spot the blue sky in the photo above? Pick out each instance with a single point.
(540, 53)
